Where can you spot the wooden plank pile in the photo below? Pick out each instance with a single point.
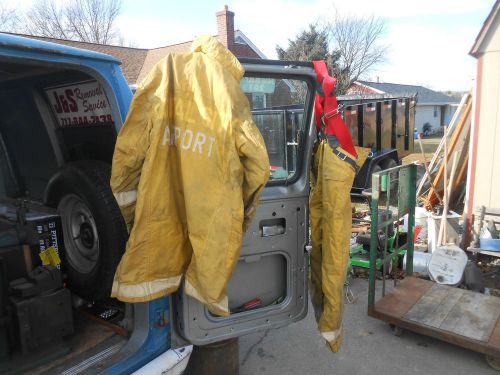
(443, 183)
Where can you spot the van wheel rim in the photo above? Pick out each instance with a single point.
(81, 238)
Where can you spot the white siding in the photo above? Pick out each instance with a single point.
(487, 178)
(424, 114)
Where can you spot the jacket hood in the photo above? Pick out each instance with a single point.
(214, 49)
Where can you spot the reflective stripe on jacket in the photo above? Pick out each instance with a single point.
(188, 169)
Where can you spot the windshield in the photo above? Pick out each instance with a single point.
(278, 110)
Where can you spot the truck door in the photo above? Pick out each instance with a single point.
(269, 286)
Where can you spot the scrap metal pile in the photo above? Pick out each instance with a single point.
(440, 190)
(439, 229)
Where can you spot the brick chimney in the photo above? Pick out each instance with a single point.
(225, 27)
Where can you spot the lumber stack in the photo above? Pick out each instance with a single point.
(452, 155)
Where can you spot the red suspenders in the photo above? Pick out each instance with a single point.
(328, 119)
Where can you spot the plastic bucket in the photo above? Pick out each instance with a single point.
(421, 216)
(433, 224)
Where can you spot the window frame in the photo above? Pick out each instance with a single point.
(308, 112)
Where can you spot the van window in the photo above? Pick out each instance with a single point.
(279, 115)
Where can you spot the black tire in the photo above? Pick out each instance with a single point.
(387, 164)
(95, 233)
(376, 168)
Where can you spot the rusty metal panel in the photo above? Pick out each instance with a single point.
(351, 120)
(400, 128)
(409, 131)
(369, 125)
(386, 125)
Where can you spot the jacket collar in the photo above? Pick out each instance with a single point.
(215, 50)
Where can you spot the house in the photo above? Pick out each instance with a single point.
(138, 62)
(483, 177)
(433, 108)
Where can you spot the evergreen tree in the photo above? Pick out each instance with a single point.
(311, 44)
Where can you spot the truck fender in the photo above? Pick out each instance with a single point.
(364, 175)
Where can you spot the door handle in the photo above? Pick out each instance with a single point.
(272, 227)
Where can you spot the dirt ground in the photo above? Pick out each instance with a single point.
(430, 144)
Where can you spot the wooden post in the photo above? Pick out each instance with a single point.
(443, 229)
(427, 172)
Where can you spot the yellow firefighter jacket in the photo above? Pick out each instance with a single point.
(188, 169)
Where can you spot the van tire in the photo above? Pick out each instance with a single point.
(94, 231)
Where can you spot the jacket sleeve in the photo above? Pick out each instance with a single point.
(131, 146)
(253, 156)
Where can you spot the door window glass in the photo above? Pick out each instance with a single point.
(278, 108)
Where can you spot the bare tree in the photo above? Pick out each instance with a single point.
(351, 46)
(9, 19)
(357, 39)
(84, 20)
(46, 18)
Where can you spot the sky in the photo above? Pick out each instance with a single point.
(428, 40)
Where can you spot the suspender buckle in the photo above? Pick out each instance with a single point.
(342, 156)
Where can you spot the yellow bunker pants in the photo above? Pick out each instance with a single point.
(331, 222)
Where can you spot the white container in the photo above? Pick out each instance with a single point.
(447, 265)
(421, 216)
(433, 224)
(420, 262)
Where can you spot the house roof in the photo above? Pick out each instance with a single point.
(424, 95)
(485, 30)
(245, 49)
(251, 49)
(132, 59)
(156, 54)
(138, 62)
(26, 42)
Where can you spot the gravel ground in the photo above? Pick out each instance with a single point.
(369, 348)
